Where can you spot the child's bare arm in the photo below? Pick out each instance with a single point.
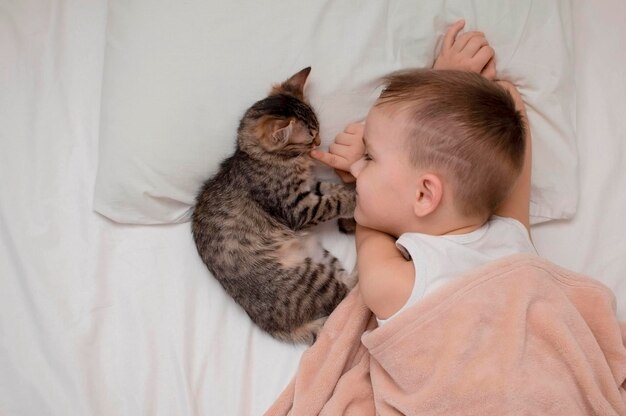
(468, 51)
(385, 277)
(517, 204)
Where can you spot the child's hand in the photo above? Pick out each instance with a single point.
(469, 51)
(347, 149)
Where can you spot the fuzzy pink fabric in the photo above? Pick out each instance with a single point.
(519, 336)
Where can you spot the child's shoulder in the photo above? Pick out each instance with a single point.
(508, 222)
(511, 232)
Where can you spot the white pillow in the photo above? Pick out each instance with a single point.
(179, 75)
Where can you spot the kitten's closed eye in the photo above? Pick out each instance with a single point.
(315, 134)
(286, 135)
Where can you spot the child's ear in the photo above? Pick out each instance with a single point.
(428, 194)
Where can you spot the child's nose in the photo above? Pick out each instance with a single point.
(357, 167)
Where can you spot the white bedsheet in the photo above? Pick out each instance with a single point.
(104, 319)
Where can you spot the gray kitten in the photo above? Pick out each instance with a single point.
(250, 220)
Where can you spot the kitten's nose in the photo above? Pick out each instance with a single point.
(316, 140)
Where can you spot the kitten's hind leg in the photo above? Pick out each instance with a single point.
(311, 330)
(306, 333)
(349, 279)
(342, 275)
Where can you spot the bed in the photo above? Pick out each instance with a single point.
(105, 307)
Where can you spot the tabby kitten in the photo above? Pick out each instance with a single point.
(250, 220)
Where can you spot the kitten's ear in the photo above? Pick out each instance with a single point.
(295, 84)
(282, 135)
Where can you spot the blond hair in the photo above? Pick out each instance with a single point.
(463, 126)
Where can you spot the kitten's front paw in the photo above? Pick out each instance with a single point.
(346, 225)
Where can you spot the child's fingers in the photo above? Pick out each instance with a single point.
(474, 44)
(462, 40)
(329, 159)
(450, 36)
(482, 58)
(347, 138)
(354, 128)
(353, 141)
(349, 153)
(489, 71)
(340, 150)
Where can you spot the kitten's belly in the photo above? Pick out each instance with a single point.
(293, 252)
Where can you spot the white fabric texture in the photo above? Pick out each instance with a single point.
(178, 77)
(100, 318)
(440, 259)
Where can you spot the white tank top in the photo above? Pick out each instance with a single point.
(440, 258)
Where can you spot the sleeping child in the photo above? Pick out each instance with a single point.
(442, 170)
(469, 319)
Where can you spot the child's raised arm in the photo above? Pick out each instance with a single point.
(468, 51)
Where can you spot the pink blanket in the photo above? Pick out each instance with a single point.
(519, 336)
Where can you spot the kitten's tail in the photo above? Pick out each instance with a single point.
(306, 333)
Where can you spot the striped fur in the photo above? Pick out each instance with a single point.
(251, 219)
